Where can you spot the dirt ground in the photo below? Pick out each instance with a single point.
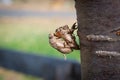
(6, 74)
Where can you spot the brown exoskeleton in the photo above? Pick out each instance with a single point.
(67, 34)
(63, 39)
(59, 44)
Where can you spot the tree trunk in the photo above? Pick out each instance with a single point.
(99, 33)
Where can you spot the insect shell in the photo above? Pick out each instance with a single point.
(63, 39)
(59, 44)
(67, 34)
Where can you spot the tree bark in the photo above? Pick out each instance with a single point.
(98, 22)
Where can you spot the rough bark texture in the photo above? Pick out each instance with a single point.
(100, 60)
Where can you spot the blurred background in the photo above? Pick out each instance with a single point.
(25, 25)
